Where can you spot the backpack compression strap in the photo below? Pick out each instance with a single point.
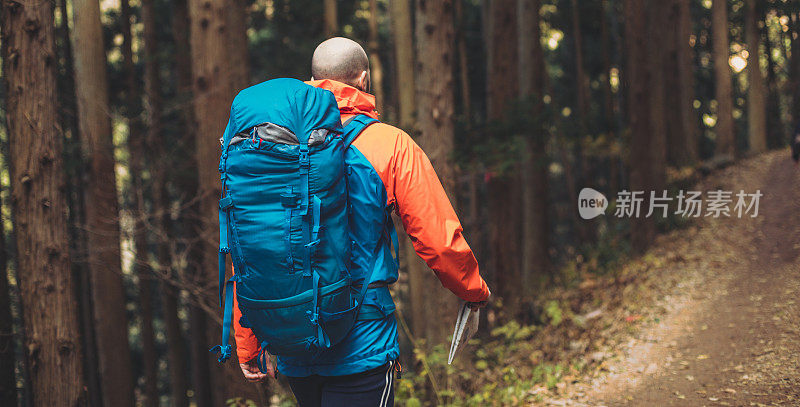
(354, 126)
(225, 288)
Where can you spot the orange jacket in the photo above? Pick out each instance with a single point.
(419, 198)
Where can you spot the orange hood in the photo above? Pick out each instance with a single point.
(350, 100)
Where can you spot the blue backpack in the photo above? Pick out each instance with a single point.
(283, 218)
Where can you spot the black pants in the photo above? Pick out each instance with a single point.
(372, 388)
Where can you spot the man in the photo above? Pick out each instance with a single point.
(358, 371)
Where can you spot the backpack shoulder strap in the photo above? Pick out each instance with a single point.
(354, 126)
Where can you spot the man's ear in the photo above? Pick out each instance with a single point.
(363, 81)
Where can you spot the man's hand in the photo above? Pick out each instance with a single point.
(478, 305)
(253, 374)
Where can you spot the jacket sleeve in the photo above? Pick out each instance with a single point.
(247, 346)
(432, 224)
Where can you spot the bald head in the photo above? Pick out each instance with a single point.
(342, 60)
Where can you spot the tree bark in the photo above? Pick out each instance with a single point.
(463, 64)
(211, 92)
(671, 80)
(685, 65)
(8, 381)
(505, 200)
(584, 164)
(756, 92)
(794, 62)
(190, 217)
(102, 213)
(475, 170)
(581, 81)
(331, 19)
(639, 78)
(725, 135)
(376, 68)
(183, 63)
(75, 170)
(136, 149)
(775, 125)
(47, 291)
(237, 44)
(176, 352)
(501, 57)
(435, 121)
(535, 227)
(212, 99)
(659, 39)
(404, 56)
(608, 101)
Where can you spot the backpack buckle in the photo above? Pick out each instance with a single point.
(224, 352)
(290, 200)
(304, 157)
(225, 203)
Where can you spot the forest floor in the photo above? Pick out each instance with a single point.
(725, 328)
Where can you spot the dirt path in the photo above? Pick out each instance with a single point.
(733, 337)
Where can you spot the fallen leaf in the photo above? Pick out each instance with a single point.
(633, 318)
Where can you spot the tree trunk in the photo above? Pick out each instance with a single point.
(775, 124)
(404, 56)
(183, 62)
(237, 45)
(102, 213)
(725, 133)
(794, 63)
(211, 86)
(658, 39)
(191, 216)
(505, 201)
(687, 132)
(608, 101)
(756, 92)
(475, 171)
(638, 79)
(75, 170)
(463, 64)
(47, 291)
(581, 81)
(501, 57)
(670, 78)
(8, 381)
(584, 164)
(331, 19)
(376, 68)
(176, 353)
(212, 96)
(136, 149)
(435, 121)
(535, 228)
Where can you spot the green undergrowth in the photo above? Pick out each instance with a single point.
(501, 369)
